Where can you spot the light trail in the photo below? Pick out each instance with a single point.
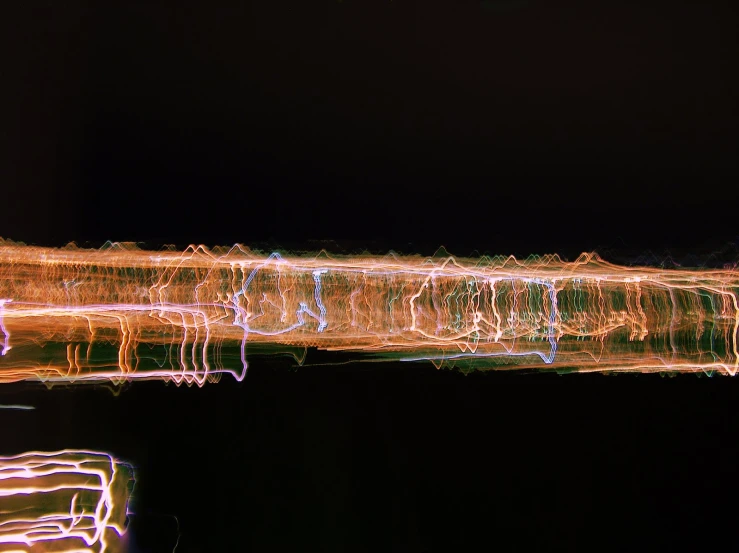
(67, 501)
(121, 314)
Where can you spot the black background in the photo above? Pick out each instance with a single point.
(500, 127)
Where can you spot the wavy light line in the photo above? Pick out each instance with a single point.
(121, 314)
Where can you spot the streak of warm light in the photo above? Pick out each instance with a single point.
(65, 501)
(121, 313)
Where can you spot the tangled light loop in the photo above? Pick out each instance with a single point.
(64, 501)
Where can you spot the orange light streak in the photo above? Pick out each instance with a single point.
(66, 501)
(120, 313)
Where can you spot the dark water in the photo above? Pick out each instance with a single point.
(403, 457)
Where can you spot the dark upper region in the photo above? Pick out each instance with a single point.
(432, 127)
(503, 5)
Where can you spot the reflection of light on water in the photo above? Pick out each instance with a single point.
(64, 501)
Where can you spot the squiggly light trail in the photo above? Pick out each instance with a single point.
(65, 501)
(121, 313)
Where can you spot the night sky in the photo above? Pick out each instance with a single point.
(499, 127)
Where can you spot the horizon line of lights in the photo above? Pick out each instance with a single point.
(120, 314)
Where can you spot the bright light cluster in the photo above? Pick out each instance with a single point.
(66, 501)
(121, 313)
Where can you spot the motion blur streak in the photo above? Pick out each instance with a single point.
(64, 501)
(121, 313)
